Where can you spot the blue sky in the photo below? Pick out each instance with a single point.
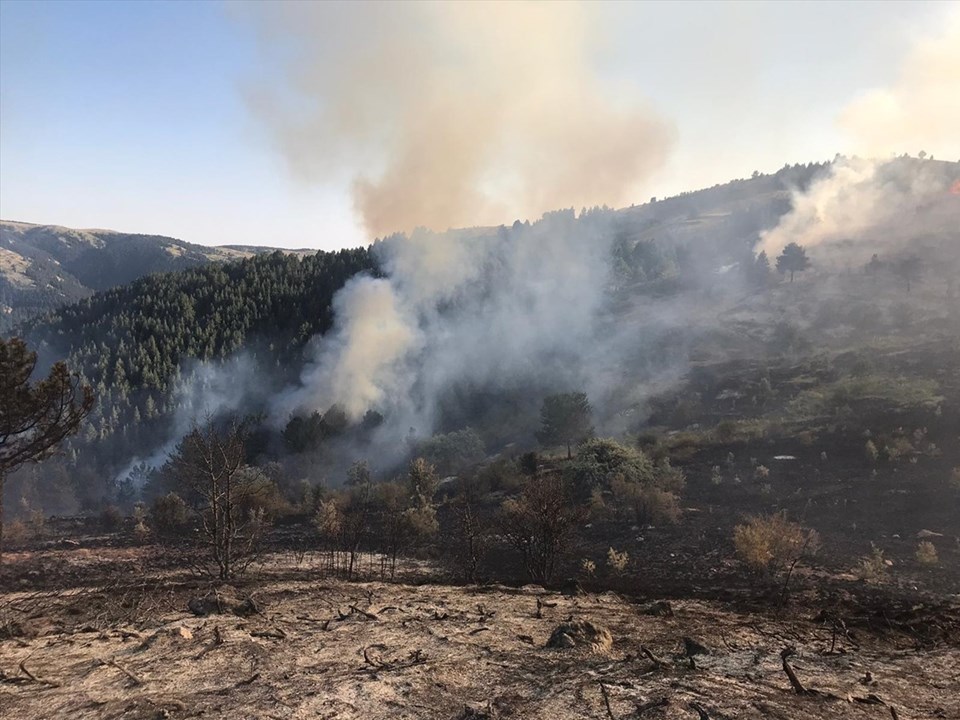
(132, 115)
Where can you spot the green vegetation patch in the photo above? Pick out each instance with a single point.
(841, 396)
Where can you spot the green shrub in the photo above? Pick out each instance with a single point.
(453, 452)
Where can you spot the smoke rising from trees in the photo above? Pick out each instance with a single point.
(884, 201)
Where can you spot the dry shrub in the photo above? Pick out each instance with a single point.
(898, 448)
(660, 506)
(617, 561)
(927, 553)
(597, 505)
(647, 504)
(16, 532)
(771, 543)
(716, 475)
(37, 523)
(955, 478)
(872, 567)
(588, 567)
(111, 518)
(141, 533)
(260, 494)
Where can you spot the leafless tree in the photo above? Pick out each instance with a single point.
(209, 464)
(540, 523)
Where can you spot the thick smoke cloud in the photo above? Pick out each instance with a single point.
(484, 310)
(920, 110)
(454, 114)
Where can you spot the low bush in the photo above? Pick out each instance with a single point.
(169, 514)
(617, 561)
(927, 553)
(872, 567)
(111, 518)
(770, 544)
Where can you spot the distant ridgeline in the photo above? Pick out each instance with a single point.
(43, 267)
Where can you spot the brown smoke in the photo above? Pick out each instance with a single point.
(454, 114)
(920, 110)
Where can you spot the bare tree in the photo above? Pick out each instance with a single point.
(209, 464)
(35, 418)
(540, 523)
(909, 269)
(356, 512)
(465, 537)
(392, 502)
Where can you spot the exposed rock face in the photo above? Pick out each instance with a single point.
(581, 634)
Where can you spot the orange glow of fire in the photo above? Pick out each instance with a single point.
(955, 188)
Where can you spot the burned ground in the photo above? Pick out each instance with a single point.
(320, 647)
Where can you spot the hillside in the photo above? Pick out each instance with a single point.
(626, 304)
(43, 267)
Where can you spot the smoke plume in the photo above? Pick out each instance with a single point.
(454, 114)
(920, 110)
(476, 311)
(888, 203)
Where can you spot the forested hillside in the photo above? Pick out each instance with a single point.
(131, 342)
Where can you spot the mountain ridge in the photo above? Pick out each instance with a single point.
(43, 267)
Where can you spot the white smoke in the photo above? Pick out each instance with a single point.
(884, 203)
(205, 392)
(920, 110)
(889, 203)
(497, 309)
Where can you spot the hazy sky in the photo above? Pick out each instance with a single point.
(136, 116)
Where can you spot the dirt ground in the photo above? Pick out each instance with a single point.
(313, 647)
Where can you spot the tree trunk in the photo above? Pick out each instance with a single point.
(228, 540)
(569, 455)
(791, 276)
(2, 482)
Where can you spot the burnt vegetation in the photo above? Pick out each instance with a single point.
(801, 471)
